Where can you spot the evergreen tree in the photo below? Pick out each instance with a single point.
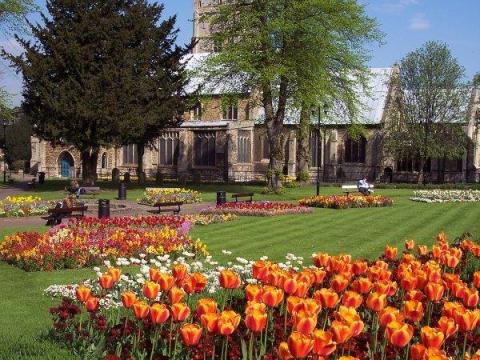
(294, 53)
(98, 72)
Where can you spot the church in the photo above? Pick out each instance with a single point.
(227, 142)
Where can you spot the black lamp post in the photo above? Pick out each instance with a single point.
(319, 143)
(5, 124)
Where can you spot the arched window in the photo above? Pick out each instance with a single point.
(355, 150)
(104, 160)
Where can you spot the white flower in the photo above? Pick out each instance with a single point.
(96, 269)
(107, 263)
(226, 252)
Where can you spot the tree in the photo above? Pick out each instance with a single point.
(429, 112)
(18, 139)
(476, 80)
(293, 53)
(92, 73)
(153, 93)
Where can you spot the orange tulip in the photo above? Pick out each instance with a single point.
(83, 293)
(180, 311)
(128, 299)
(229, 279)
(447, 326)
(199, 282)
(470, 298)
(323, 344)
(260, 270)
(114, 273)
(468, 320)
(339, 283)
(290, 286)
(422, 250)
(341, 331)
(166, 281)
(390, 252)
(327, 297)
(151, 290)
(191, 334)
(205, 306)
(349, 316)
(300, 345)
(362, 285)
(159, 313)
(431, 337)
(415, 295)
(352, 299)
(451, 261)
(179, 271)
(256, 321)
(141, 310)
(409, 244)
(210, 322)
(304, 322)
(450, 308)
(284, 352)
(434, 291)
(417, 352)
(386, 287)
(255, 306)
(476, 279)
(359, 267)
(228, 322)
(409, 282)
(413, 310)
(292, 302)
(319, 275)
(106, 281)
(272, 296)
(92, 304)
(376, 302)
(154, 274)
(188, 284)
(321, 259)
(175, 295)
(253, 292)
(389, 314)
(302, 289)
(399, 334)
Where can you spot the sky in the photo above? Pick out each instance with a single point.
(407, 25)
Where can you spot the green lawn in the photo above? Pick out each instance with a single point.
(24, 318)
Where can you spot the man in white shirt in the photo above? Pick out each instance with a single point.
(364, 186)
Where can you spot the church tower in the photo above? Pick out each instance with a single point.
(201, 29)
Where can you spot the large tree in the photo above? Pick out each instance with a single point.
(294, 54)
(98, 73)
(154, 78)
(429, 111)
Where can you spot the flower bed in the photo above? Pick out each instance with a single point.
(346, 202)
(441, 196)
(260, 208)
(152, 196)
(17, 206)
(89, 241)
(419, 305)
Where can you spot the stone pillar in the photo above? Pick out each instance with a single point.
(184, 153)
(292, 158)
(232, 152)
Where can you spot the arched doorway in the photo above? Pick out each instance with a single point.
(65, 163)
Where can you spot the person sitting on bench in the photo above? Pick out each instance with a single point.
(364, 187)
(75, 188)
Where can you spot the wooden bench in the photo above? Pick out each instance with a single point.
(243, 195)
(173, 206)
(351, 188)
(56, 215)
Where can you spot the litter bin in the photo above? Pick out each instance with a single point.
(122, 191)
(41, 177)
(221, 197)
(103, 209)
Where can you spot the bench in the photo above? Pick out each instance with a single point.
(31, 184)
(349, 188)
(56, 215)
(243, 195)
(173, 206)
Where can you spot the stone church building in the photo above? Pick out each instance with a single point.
(221, 141)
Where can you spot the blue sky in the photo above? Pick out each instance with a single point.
(407, 24)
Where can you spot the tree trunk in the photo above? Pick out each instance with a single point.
(421, 173)
(140, 171)
(89, 167)
(303, 155)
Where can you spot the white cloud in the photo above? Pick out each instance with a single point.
(419, 22)
(398, 5)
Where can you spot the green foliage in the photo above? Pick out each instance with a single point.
(476, 80)
(430, 111)
(304, 176)
(18, 140)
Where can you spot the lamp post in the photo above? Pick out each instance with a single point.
(319, 143)
(4, 123)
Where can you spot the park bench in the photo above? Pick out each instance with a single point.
(57, 214)
(243, 195)
(169, 206)
(351, 188)
(31, 184)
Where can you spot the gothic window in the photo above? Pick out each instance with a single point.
(104, 160)
(204, 148)
(265, 147)
(411, 164)
(169, 144)
(244, 146)
(197, 112)
(315, 145)
(130, 154)
(230, 112)
(355, 150)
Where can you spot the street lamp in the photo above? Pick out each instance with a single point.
(319, 143)
(5, 123)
